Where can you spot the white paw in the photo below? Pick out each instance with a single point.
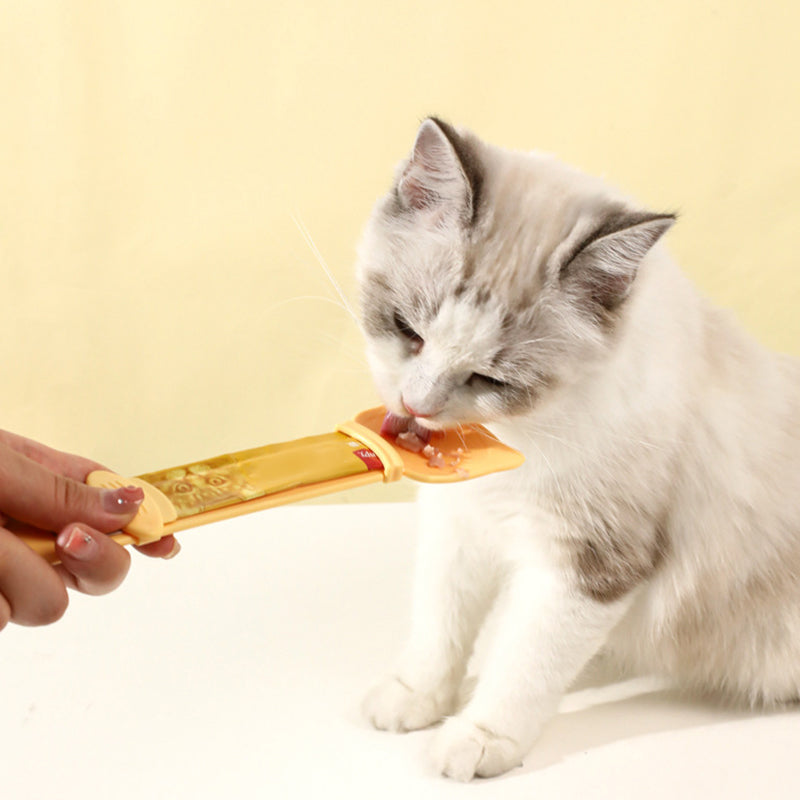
(463, 750)
(393, 706)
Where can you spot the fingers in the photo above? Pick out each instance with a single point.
(43, 490)
(75, 467)
(34, 593)
(91, 562)
(31, 592)
(166, 548)
(5, 612)
(31, 493)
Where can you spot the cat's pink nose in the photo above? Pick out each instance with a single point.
(415, 413)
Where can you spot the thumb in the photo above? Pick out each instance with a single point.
(33, 494)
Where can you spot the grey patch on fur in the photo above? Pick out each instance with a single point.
(482, 296)
(601, 267)
(616, 219)
(377, 306)
(610, 563)
(473, 170)
(519, 399)
(467, 271)
(395, 207)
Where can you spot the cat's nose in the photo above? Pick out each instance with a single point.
(413, 412)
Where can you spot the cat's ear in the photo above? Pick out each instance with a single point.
(435, 178)
(605, 264)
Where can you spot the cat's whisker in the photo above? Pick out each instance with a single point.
(356, 367)
(460, 432)
(492, 436)
(356, 355)
(541, 340)
(571, 445)
(282, 303)
(539, 426)
(556, 482)
(326, 269)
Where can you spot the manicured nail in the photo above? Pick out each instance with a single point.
(124, 501)
(176, 548)
(78, 543)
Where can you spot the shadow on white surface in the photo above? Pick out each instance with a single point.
(618, 718)
(237, 670)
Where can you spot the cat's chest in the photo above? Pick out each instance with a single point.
(532, 490)
(559, 488)
(553, 468)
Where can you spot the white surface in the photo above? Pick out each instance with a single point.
(237, 669)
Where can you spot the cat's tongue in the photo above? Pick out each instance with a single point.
(394, 424)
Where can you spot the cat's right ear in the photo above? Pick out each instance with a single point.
(605, 265)
(434, 179)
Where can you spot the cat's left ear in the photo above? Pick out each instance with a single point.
(435, 178)
(605, 265)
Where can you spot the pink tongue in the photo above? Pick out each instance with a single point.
(394, 424)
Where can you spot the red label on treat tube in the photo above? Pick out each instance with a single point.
(369, 458)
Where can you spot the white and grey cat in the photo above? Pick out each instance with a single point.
(657, 516)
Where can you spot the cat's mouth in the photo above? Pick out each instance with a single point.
(395, 424)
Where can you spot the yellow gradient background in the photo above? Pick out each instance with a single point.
(159, 162)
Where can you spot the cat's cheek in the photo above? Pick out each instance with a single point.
(467, 407)
(386, 376)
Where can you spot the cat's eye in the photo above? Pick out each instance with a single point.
(407, 332)
(487, 380)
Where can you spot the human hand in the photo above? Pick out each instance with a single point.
(43, 489)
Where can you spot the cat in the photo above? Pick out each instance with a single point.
(657, 516)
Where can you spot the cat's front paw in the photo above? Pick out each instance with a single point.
(391, 705)
(464, 750)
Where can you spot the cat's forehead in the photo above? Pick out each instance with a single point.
(448, 284)
(533, 208)
(533, 211)
(466, 320)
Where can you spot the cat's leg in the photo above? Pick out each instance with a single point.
(453, 588)
(547, 632)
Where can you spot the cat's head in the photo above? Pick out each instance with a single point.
(489, 278)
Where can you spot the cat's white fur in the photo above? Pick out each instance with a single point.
(675, 415)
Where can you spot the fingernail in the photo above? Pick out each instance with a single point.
(176, 548)
(78, 543)
(122, 501)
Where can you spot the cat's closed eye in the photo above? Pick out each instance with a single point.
(477, 379)
(407, 332)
